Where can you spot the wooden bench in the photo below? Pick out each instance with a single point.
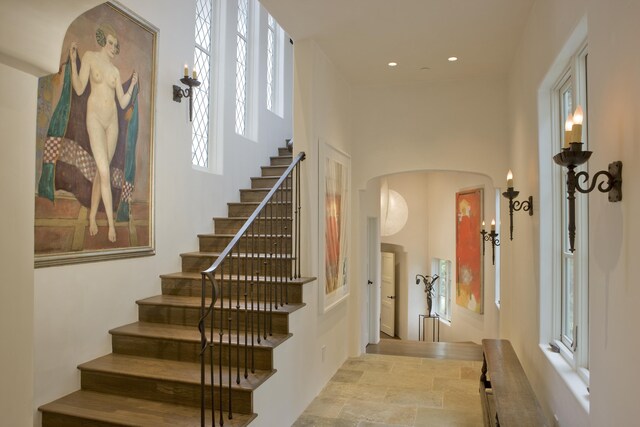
(507, 397)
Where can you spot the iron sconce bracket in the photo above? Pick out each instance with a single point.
(573, 157)
(179, 93)
(516, 205)
(492, 237)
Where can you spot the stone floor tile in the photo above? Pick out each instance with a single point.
(428, 417)
(315, 421)
(347, 376)
(375, 412)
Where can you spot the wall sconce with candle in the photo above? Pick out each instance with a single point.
(515, 205)
(492, 237)
(179, 93)
(573, 156)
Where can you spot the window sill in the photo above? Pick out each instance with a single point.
(571, 378)
(445, 321)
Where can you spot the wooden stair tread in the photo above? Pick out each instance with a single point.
(197, 276)
(194, 302)
(171, 370)
(188, 333)
(235, 255)
(232, 235)
(127, 411)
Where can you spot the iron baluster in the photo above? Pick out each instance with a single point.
(238, 316)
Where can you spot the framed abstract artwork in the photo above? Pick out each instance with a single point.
(334, 186)
(94, 142)
(469, 268)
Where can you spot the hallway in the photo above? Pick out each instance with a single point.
(395, 390)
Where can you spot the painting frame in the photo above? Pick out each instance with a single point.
(469, 212)
(71, 224)
(334, 192)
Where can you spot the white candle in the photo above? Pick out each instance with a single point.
(186, 70)
(195, 75)
(510, 179)
(576, 130)
(567, 130)
(493, 225)
(482, 225)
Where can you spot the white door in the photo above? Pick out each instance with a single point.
(373, 282)
(388, 297)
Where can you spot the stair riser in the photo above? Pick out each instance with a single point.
(191, 316)
(268, 182)
(281, 161)
(191, 288)
(259, 195)
(272, 268)
(163, 391)
(273, 170)
(246, 210)
(261, 226)
(283, 151)
(255, 244)
(187, 351)
(63, 420)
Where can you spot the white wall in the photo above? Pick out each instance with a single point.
(430, 232)
(454, 125)
(321, 115)
(614, 88)
(59, 317)
(18, 111)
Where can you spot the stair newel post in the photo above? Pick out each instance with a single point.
(278, 247)
(274, 246)
(203, 346)
(271, 269)
(283, 231)
(220, 347)
(238, 245)
(229, 320)
(253, 282)
(298, 218)
(246, 305)
(289, 233)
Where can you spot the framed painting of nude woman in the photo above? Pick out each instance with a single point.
(95, 140)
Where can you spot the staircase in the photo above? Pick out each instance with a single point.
(153, 376)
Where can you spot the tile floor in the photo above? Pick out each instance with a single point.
(381, 390)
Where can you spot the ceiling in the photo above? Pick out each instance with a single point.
(362, 36)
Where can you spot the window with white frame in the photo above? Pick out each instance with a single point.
(274, 65)
(571, 294)
(442, 268)
(201, 96)
(243, 46)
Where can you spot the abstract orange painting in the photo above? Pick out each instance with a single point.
(469, 274)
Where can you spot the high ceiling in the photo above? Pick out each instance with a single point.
(362, 36)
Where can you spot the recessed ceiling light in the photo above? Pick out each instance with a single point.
(453, 58)
(392, 64)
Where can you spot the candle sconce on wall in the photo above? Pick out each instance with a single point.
(573, 156)
(515, 205)
(179, 93)
(492, 237)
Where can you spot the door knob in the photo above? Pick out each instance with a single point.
(369, 282)
(391, 296)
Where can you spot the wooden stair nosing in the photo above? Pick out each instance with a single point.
(171, 371)
(102, 410)
(194, 303)
(198, 276)
(190, 334)
(241, 255)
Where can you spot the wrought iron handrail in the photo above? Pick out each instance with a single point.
(280, 275)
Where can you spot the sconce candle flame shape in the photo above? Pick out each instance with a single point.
(492, 237)
(515, 205)
(572, 156)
